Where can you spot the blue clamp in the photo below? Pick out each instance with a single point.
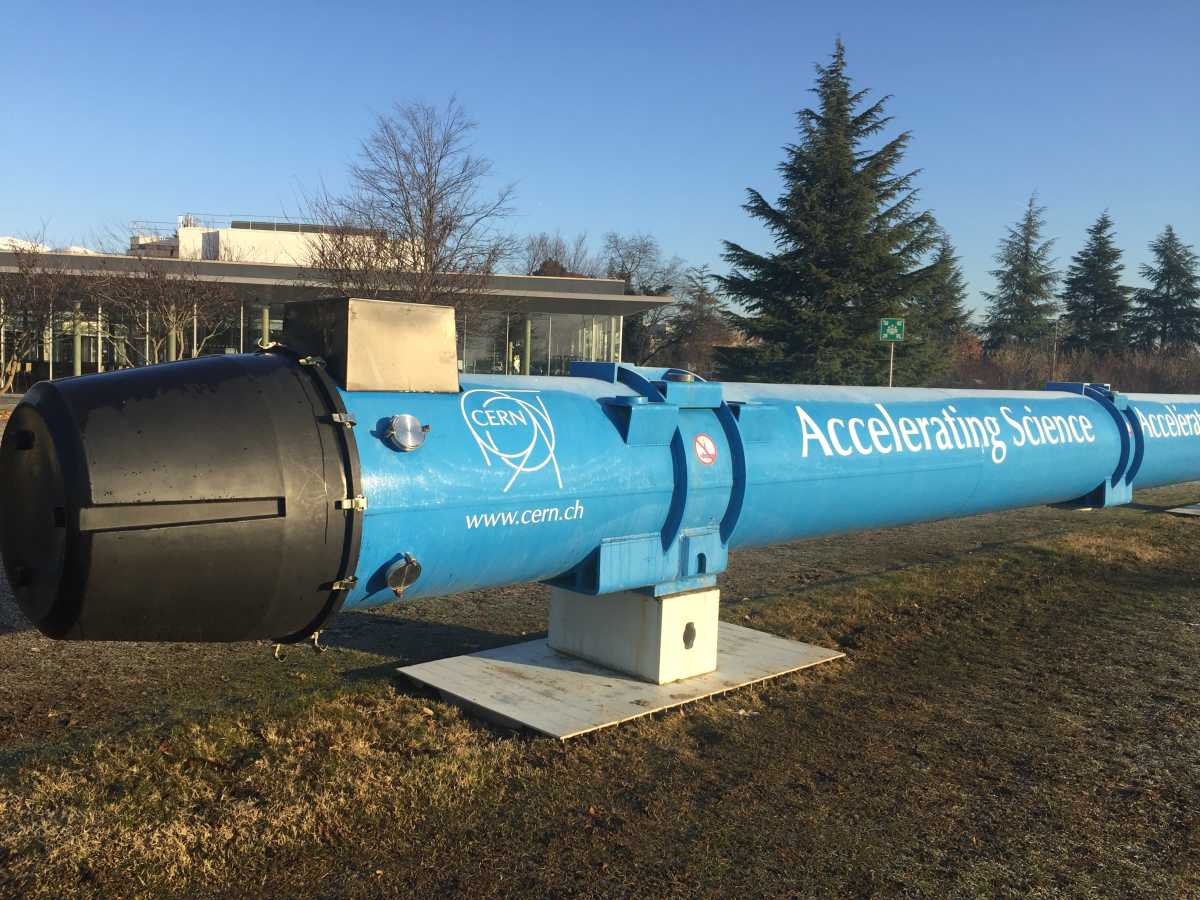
(650, 418)
(677, 558)
(1117, 489)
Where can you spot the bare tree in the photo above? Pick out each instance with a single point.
(638, 260)
(177, 312)
(34, 297)
(551, 254)
(416, 222)
(699, 324)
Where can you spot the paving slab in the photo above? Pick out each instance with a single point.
(531, 686)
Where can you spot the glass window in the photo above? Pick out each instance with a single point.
(586, 337)
(486, 343)
(565, 341)
(539, 352)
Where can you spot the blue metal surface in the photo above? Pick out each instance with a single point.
(626, 478)
(1170, 427)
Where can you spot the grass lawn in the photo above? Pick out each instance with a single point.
(1018, 715)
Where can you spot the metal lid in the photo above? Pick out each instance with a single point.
(405, 432)
(679, 375)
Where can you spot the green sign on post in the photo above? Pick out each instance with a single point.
(891, 330)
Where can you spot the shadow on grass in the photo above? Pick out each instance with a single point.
(406, 641)
(11, 617)
(1153, 507)
(951, 557)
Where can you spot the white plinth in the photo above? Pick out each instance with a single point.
(656, 639)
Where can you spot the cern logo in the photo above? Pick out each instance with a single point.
(512, 428)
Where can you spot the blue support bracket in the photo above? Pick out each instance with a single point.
(650, 418)
(678, 558)
(642, 423)
(1117, 489)
(676, 387)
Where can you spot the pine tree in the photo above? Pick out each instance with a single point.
(940, 306)
(848, 247)
(1166, 314)
(1094, 302)
(937, 315)
(1022, 307)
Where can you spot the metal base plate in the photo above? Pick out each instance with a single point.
(531, 686)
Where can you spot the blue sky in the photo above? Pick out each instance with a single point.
(609, 117)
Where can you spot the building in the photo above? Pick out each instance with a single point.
(515, 324)
(252, 240)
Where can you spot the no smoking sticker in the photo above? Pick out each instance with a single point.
(706, 450)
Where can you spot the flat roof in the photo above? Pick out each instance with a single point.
(276, 283)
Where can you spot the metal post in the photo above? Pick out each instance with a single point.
(241, 328)
(266, 326)
(99, 337)
(146, 361)
(527, 350)
(50, 355)
(1054, 354)
(891, 360)
(195, 334)
(549, 343)
(77, 342)
(507, 343)
(3, 366)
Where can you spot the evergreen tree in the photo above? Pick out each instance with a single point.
(1166, 314)
(698, 326)
(848, 247)
(1022, 308)
(1094, 302)
(938, 310)
(937, 317)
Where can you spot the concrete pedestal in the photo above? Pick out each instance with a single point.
(656, 639)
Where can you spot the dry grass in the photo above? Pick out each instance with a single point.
(1113, 548)
(1013, 719)
(198, 802)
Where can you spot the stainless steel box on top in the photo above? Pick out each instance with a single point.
(377, 345)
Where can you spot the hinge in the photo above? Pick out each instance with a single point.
(359, 502)
(345, 584)
(311, 361)
(343, 419)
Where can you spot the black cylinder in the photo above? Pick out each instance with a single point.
(191, 501)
